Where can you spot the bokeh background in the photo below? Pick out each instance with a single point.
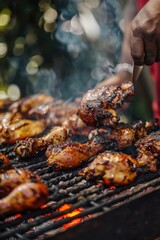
(62, 45)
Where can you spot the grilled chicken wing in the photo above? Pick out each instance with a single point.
(72, 155)
(112, 168)
(27, 196)
(27, 103)
(148, 149)
(125, 135)
(14, 177)
(4, 163)
(20, 130)
(30, 146)
(98, 106)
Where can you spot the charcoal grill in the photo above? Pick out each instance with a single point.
(129, 212)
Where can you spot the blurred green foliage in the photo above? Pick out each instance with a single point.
(24, 36)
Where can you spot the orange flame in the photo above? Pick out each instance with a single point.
(71, 214)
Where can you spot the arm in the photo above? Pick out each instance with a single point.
(145, 34)
(122, 73)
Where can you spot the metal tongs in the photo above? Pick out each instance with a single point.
(136, 72)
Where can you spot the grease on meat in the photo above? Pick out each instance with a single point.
(148, 151)
(30, 146)
(26, 196)
(72, 155)
(112, 168)
(14, 177)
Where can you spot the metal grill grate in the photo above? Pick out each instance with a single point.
(91, 199)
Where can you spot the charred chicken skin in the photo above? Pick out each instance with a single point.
(72, 155)
(27, 196)
(13, 178)
(77, 126)
(60, 113)
(30, 146)
(25, 104)
(125, 135)
(98, 106)
(55, 112)
(4, 163)
(148, 149)
(112, 168)
(43, 110)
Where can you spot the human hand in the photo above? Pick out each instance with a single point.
(145, 34)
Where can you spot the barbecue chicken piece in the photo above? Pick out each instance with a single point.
(43, 110)
(8, 118)
(112, 168)
(27, 196)
(61, 113)
(14, 177)
(72, 155)
(77, 126)
(55, 112)
(27, 103)
(98, 106)
(148, 149)
(31, 146)
(125, 135)
(4, 163)
(20, 130)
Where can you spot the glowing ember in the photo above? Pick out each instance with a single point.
(71, 214)
(13, 217)
(45, 206)
(17, 216)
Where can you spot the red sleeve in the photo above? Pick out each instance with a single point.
(155, 70)
(141, 3)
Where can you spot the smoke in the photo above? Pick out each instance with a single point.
(44, 80)
(88, 41)
(86, 47)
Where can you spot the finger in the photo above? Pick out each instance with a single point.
(150, 48)
(137, 50)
